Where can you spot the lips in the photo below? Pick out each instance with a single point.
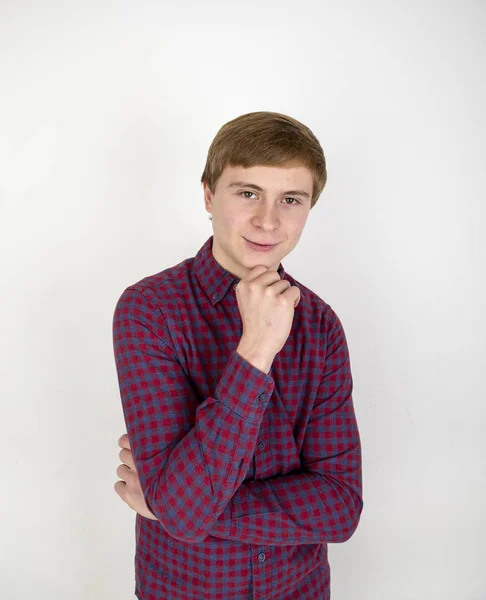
(262, 244)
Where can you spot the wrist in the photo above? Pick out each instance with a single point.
(259, 358)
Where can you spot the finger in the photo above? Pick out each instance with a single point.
(124, 472)
(279, 287)
(120, 487)
(127, 457)
(293, 294)
(124, 442)
(263, 276)
(255, 272)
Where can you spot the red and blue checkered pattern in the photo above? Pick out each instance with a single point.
(249, 474)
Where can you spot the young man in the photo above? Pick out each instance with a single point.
(243, 456)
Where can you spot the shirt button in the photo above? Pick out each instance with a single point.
(261, 556)
(262, 397)
(215, 296)
(261, 445)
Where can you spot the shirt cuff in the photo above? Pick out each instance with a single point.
(244, 389)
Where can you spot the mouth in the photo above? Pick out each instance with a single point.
(257, 246)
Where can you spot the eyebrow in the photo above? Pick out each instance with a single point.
(260, 189)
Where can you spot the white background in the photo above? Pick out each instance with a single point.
(107, 110)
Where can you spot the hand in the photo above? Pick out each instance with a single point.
(266, 305)
(129, 489)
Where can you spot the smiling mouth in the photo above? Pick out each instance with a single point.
(260, 244)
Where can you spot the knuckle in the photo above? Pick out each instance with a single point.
(261, 268)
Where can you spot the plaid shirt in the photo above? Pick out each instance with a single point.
(249, 474)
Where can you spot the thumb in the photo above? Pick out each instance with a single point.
(297, 300)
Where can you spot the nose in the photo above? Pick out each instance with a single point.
(266, 216)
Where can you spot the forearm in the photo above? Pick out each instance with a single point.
(189, 484)
(302, 508)
(190, 455)
(323, 502)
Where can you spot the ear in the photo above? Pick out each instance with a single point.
(208, 197)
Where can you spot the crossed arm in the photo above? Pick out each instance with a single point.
(186, 462)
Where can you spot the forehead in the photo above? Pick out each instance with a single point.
(269, 177)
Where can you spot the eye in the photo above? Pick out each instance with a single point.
(295, 201)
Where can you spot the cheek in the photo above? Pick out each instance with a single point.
(233, 219)
(302, 221)
(295, 229)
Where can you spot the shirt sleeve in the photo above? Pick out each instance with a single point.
(191, 455)
(323, 503)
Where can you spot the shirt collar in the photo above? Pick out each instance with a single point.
(214, 279)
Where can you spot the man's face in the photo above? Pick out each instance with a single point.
(275, 214)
